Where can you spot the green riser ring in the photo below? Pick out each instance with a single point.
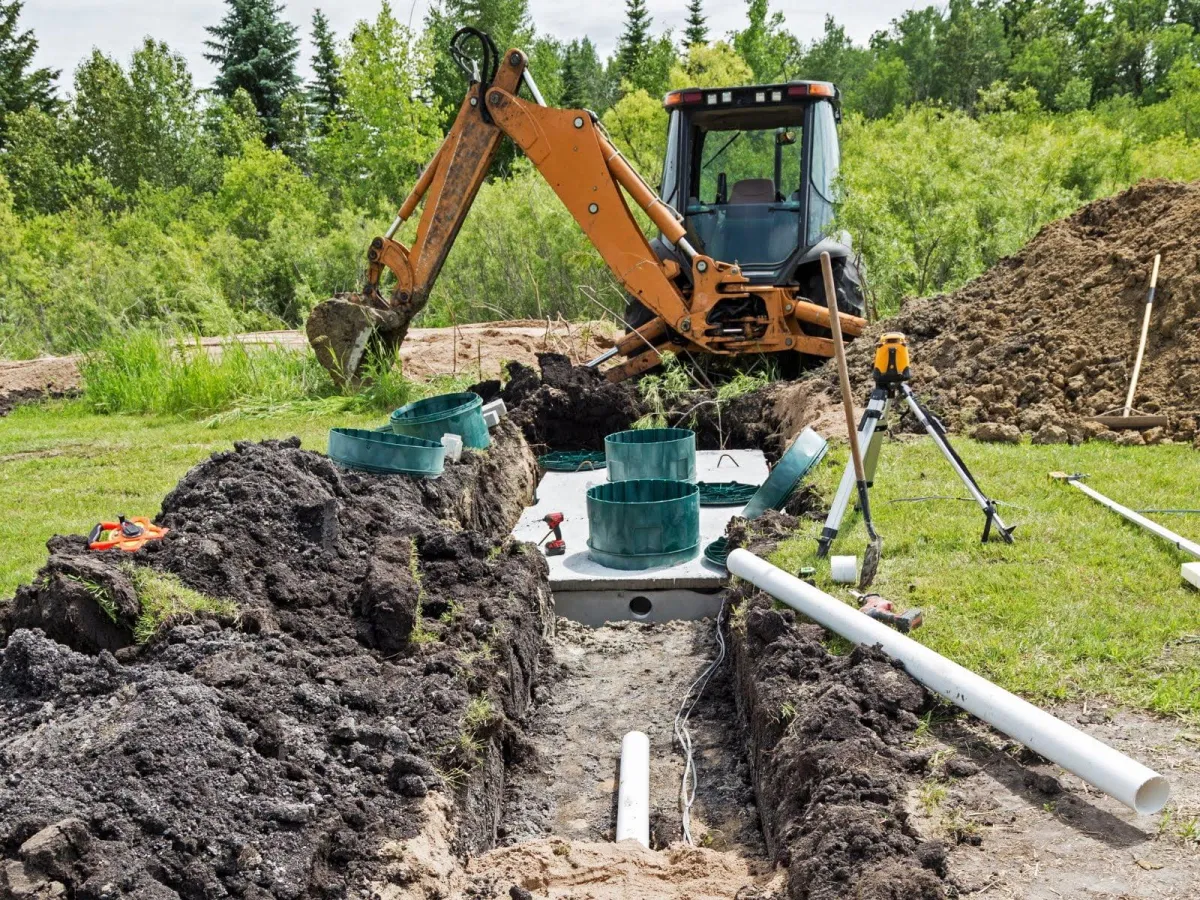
(460, 414)
(667, 454)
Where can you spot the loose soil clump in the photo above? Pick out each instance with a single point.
(1047, 338)
(388, 637)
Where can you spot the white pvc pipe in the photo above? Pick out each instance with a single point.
(633, 792)
(1098, 764)
(844, 569)
(1153, 527)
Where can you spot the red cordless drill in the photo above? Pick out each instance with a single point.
(884, 611)
(558, 546)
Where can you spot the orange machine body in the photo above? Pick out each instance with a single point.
(591, 177)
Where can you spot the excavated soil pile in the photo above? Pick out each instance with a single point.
(569, 407)
(386, 638)
(826, 738)
(1048, 337)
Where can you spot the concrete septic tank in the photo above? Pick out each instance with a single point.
(591, 593)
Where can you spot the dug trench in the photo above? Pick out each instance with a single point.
(382, 695)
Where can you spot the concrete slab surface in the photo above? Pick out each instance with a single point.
(566, 492)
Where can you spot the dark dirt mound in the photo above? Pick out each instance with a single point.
(1048, 337)
(826, 736)
(569, 407)
(383, 653)
(566, 407)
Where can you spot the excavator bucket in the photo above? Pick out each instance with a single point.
(345, 334)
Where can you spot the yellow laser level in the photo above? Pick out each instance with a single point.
(891, 359)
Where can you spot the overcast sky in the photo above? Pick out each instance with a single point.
(67, 30)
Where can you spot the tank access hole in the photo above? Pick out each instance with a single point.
(640, 607)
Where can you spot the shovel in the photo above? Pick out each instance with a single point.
(870, 562)
(1125, 420)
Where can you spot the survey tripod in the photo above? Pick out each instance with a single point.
(891, 373)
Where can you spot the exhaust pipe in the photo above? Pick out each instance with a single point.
(1105, 769)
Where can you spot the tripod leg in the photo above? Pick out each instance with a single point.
(846, 487)
(871, 450)
(938, 433)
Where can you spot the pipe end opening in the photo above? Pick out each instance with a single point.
(640, 607)
(1152, 795)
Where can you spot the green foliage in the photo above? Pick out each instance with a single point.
(20, 87)
(697, 29)
(634, 44)
(255, 49)
(141, 372)
(585, 82)
(934, 197)
(147, 201)
(375, 151)
(140, 126)
(764, 44)
(326, 91)
(520, 254)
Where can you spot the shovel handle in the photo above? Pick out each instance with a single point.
(1137, 365)
(839, 352)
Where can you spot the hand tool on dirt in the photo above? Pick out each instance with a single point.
(558, 546)
(874, 549)
(678, 298)
(1181, 543)
(891, 373)
(1125, 420)
(884, 611)
(125, 534)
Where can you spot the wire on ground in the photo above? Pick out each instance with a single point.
(691, 780)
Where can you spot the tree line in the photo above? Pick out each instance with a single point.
(135, 194)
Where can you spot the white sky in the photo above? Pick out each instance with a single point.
(67, 30)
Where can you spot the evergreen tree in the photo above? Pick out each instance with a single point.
(584, 81)
(635, 39)
(256, 50)
(696, 31)
(20, 88)
(326, 91)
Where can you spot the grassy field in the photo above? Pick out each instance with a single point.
(62, 468)
(1083, 605)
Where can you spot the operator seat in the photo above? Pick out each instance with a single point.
(748, 227)
(752, 190)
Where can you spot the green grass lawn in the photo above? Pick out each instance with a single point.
(62, 469)
(1084, 604)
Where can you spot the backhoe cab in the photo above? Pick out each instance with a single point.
(751, 168)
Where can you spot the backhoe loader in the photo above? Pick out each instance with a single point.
(737, 272)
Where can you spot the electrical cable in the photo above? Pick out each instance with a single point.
(687, 792)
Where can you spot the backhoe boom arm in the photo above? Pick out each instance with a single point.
(571, 151)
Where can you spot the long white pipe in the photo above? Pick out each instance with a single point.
(633, 792)
(1153, 527)
(1095, 762)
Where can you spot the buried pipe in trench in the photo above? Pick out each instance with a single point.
(633, 791)
(1104, 768)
